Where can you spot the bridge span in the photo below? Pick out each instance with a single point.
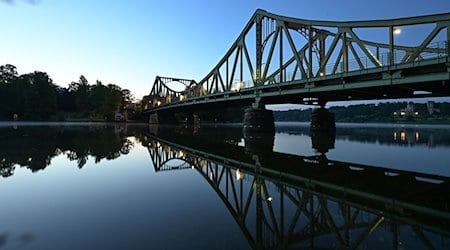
(278, 59)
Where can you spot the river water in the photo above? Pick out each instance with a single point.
(99, 186)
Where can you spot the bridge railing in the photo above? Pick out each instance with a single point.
(435, 50)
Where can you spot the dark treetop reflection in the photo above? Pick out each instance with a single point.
(33, 147)
(284, 201)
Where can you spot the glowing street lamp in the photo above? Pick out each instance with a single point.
(239, 174)
(397, 31)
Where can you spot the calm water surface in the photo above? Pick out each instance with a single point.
(137, 187)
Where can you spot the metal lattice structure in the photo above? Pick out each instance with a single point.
(278, 210)
(166, 159)
(161, 93)
(292, 53)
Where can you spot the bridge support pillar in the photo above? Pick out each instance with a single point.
(323, 141)
(153, 119)
(258, 120)
(258, 143)
(162, 118)
(322, 120)
(191, 119)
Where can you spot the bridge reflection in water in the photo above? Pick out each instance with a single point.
(284, 201)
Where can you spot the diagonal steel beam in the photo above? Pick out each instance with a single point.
(330, 51)
(427, 41)
(364, 48)
(269, 56)
(294, 50)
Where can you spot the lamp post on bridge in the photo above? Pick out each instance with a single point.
(392, 31)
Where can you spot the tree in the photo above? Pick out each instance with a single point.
(82, 94)
(97, 98)
(41, 95)
(113, 100)
(127, 97)
(65, 100)
(8, 73)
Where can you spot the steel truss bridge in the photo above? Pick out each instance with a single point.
(278, 59)
(312, 202)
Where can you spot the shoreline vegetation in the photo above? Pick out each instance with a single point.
(34, 97)
(382, 113)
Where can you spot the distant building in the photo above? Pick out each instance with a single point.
(431, 109)
(407, 112)
(409, 108)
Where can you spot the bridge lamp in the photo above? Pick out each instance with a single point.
(238, 86)
(158, 103)
(397, 31)
(239, 174)
(269, 199)
(321, 74)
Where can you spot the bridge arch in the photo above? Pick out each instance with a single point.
(169, 89)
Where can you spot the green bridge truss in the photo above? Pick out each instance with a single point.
(278, 59)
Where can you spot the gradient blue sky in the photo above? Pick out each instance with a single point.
(129, 42)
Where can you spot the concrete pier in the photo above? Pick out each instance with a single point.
(162, 118)
(322, 120)
(258, 120)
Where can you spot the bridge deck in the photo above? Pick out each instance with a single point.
(429, 77)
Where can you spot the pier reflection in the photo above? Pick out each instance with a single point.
(289, 201)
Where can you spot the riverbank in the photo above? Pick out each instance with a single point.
(64, 123)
